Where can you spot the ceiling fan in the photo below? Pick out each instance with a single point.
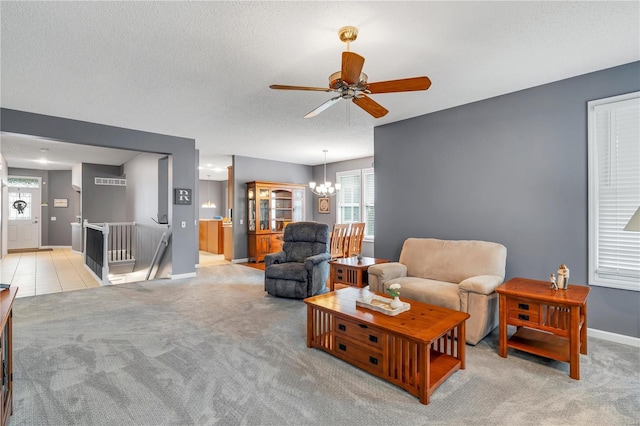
(351, 83)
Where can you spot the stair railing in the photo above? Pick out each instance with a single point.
(107, 242)
(96, 249)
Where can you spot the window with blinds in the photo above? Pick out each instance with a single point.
(356, 202)
(614, 191)
(368, 200)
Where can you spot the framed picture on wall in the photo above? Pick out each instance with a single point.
(324, 205)
(60, 202)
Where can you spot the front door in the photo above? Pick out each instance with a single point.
(24, 218)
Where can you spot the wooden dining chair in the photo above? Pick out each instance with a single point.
(338, 240)
(356, 234)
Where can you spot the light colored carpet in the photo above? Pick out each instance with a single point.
(217, 350)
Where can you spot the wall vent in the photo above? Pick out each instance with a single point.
(111, 181)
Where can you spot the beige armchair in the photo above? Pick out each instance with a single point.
(459, 275)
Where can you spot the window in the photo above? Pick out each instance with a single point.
(356, 199)
(20, 203)
(21, 206)
(614, 191)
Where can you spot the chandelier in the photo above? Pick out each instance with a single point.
(324, 189)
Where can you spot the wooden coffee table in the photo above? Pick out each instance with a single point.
(351, 271)
(416, 350)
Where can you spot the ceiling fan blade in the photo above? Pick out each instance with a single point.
(322, 107)
(402, 85)
(371, 106)
(317, 89)
(351, 67)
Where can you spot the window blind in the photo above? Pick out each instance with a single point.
(614, 179)
(356, 199)
(369, 202)
(349, 197)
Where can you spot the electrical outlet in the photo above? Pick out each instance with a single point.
(53, 218)
(184, 224)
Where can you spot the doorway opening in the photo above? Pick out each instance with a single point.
(25, 212)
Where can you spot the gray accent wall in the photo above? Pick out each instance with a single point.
(247, 169)
(60, 187)
(102, 203)
(510, 169)
(182, 173)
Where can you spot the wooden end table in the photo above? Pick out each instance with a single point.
(550, 323)
(416, 350)
(351, 271)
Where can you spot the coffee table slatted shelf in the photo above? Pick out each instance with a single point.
(416, 350)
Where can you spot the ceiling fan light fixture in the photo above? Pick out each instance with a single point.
(348, 34)
(335, 81)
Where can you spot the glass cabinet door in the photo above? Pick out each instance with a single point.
(298, 205)
(281, 209)
(263, 200)
(251, 196)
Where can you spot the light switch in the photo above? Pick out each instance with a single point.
(53, 218)
(184, 224)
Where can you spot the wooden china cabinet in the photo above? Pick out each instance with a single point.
(270, 207)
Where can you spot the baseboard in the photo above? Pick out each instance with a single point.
(56, 247)
(245, 260)
(613, 337)
(28, 250)
(181, 276)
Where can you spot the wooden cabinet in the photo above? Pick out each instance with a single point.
(6, 353)
(270, 207)
(211, 236)
(227, 232)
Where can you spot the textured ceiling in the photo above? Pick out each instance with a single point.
(35, 153)
(202, 69)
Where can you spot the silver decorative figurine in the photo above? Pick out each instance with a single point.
(554, 284)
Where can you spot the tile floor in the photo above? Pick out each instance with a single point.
(45, 272)
(210, 259)
(60, 270)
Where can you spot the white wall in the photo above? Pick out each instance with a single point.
(142, 188)
(4, 202)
